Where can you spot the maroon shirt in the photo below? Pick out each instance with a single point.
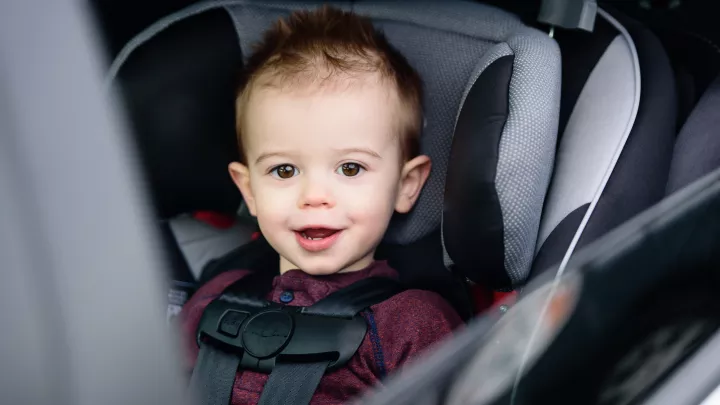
(398, 329)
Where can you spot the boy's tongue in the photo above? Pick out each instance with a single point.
(316, 233)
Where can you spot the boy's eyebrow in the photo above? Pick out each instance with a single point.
(365, 151)
(344, 151)
(268, 155)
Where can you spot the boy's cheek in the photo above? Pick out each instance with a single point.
(274, 205)
(370, 208)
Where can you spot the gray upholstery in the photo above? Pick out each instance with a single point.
(697, 149)
(200, 243)
(619, 105)
(527, 146)
(594, 135)
(448, 43)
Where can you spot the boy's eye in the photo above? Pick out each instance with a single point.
(350, 169)
(284, 171)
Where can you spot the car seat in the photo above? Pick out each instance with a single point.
(492, 88)
(490, 127)
(492, 111)
(617, 131)
(616, 113)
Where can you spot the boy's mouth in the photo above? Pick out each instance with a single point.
(317, 239)
(317, 233)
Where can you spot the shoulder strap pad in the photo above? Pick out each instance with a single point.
(351, 300)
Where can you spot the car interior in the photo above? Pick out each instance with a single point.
(571, 217)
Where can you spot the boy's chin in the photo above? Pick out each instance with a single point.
(325, 266)
(321, 270)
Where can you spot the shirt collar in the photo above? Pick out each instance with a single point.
(318, 287)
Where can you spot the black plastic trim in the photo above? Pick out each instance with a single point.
(472, 218)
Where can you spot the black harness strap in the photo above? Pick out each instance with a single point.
(296, 370)
(213, 376)
(293, 383)
(350, 301)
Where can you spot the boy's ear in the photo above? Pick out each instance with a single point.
(241, 177)
(412, 179)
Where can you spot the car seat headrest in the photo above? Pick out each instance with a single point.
(488, 80)
(179, 92)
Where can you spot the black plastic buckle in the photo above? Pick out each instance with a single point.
(265, 334)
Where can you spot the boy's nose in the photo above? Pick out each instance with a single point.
(316, 194)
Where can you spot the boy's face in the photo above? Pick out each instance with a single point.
(324, 173)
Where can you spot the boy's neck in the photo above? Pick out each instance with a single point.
(286, 265)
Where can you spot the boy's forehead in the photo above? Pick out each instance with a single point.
(346, 115)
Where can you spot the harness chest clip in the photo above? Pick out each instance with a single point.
(263, 333)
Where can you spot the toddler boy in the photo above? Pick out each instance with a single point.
(328, 120)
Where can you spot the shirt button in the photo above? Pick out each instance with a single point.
(286, 297)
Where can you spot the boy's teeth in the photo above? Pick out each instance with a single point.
(318, 233)
(309, 238)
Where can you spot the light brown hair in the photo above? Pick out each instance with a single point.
(319, 46)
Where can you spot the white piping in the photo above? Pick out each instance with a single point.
(618, 151)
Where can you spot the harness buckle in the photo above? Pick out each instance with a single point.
(262, 333)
